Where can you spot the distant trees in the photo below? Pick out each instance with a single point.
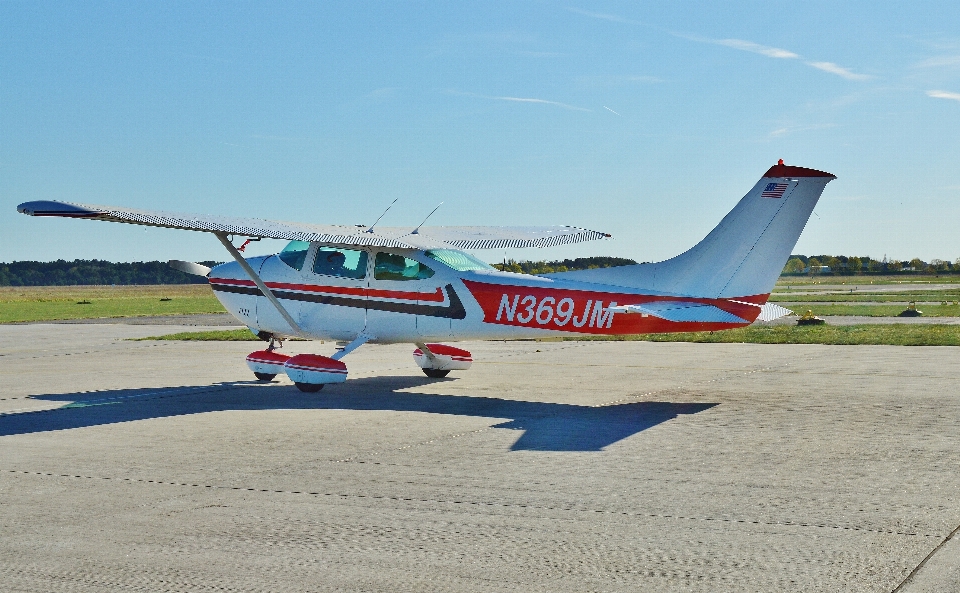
(794, 265)
(939, 265)
(80, 272)
(840, 265)
(65, 273)
(566, 265)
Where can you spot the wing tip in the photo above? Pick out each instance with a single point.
(53, 208)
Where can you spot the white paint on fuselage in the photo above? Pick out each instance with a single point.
(330, 321)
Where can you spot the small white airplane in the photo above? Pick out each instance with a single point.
(416, 285)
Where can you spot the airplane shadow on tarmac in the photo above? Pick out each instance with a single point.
(545, 426)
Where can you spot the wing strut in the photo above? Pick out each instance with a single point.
(359, 341)
(256, 280)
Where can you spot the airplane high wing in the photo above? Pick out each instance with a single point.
(355, 284)
(478, 237)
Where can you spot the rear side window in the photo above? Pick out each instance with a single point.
(345, 263)
(294, 254)
(458, 260)
(391, 266)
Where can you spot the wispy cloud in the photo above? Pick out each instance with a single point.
(838, 70)
(543, 101)
(205, 58)
(776, 53)
(604, 17)
(383, 92)
(791, 129)
(277, 138)
(519, 100)
(939, 62)
(944, 95)
(541, 54)
(770, 52)
(604, 80)
(740, 44)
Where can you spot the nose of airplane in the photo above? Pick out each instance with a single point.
(231, 269)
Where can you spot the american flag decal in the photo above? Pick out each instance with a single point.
(774, 190)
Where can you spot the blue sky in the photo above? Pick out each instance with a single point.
(645, 121)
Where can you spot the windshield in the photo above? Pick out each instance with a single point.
(294, 254)
(458, 260)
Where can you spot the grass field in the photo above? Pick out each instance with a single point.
(224, 335)
(873, 310)
(932, 296)
(849, 335)
(810, 281)
(48, 303)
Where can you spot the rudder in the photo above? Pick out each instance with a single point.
(744, 255)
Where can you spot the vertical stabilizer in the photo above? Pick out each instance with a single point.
(744, 254)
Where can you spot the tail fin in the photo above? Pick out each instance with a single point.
(744, 255)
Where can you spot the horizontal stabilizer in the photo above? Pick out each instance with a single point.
(473, 237)
(681, 311)
(769, 312)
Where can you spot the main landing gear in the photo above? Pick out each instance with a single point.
(437, 360)
(309, 372)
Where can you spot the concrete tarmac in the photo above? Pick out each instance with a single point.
(572, 466)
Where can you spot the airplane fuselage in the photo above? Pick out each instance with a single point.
(403, 295)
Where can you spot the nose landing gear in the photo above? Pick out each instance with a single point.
(267, 364)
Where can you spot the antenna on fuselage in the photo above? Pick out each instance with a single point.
(416, 231)
(370, 230)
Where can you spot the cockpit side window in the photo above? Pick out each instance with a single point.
(294, 254)
(391, 266)
(345, 263)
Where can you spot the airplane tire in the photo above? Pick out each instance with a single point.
(435, 373)
(265, 376)
(309, 387)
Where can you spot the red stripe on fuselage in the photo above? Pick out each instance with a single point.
(430, 297)
(584, 311)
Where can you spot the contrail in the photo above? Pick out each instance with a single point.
(611, 110)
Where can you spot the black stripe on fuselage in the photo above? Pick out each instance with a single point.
(454, 310)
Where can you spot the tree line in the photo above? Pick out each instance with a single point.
(843, 265)
(99, 272)
(93, 271)
(563, 265)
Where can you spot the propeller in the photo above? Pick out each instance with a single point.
(189, 267)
